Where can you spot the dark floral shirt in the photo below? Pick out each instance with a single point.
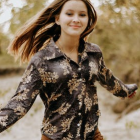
(67, 90)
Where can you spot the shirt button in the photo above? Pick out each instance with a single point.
(79, 114)
(80, 79)
(80, 103)
(78, 124)
(79, 69)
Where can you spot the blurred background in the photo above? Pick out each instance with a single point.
(117, 33)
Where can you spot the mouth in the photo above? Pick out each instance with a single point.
(75, 26)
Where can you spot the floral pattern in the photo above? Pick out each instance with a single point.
(73, 84)
(88, 103)
(27, 76)
(20, 111)
(65, 67)
(34, 94)
(89, 128)
(93, 69)
(62, 110)
(67, 90)
(49, 128)
(49, 77)
(69, 137)
(21, 96)
(95, 97)
(3, 120)
(66, 124)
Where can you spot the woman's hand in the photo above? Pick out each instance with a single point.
(132, 95)
(132, 89)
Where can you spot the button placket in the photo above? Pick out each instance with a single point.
(79, 128)
(80, 67)
(79, 71)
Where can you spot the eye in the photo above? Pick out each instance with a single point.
(82, 15)
(69, 14)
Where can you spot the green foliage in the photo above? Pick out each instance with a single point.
(132, 125)
(7, 61)
(4, 41)
(4, 92)
(20, 16)
(118, 34)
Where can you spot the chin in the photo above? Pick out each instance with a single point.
(75, 34)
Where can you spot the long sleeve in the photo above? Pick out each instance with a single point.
(23, 99)
(112, 83)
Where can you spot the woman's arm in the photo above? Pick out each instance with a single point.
(23, 99)
(112, 83)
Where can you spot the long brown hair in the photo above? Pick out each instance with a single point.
(38, 31)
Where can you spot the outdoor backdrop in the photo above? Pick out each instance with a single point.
(117, 33)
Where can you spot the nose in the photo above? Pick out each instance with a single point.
(76, 19)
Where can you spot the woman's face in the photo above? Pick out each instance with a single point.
(73, 18)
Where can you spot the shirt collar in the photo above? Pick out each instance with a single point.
(90, 47)
(52, 50)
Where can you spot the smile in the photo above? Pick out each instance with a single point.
(75, 26)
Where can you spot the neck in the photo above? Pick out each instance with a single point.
(69, 43)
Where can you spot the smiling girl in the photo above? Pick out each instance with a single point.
(63, 71)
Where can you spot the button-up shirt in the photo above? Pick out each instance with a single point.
(67, 90)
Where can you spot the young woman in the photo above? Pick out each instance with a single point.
(62, 71)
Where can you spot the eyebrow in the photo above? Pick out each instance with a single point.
(73, 10)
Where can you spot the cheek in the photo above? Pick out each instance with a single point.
(64, 19)
(85, 22)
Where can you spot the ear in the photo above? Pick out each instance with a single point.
(57, 19)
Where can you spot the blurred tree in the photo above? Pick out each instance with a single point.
(4, 41)
(21, 15)
(118, 34)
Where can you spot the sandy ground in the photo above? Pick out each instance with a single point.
(28, 128)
